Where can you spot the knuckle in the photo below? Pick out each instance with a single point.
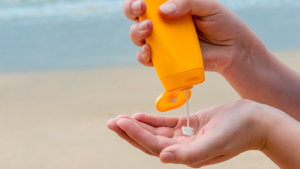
(127, 12)
(126, 7)
(132, 31)
(138, 56)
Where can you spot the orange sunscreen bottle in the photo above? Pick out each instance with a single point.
(176, 55)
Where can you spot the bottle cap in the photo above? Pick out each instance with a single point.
(171, 100)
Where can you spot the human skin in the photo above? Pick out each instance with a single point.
(230, 48)
(221, 133)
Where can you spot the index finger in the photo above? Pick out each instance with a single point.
(133, 9)
(155, 144)
(156, 120)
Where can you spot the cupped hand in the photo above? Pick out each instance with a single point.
(222, 34)
(221, 133)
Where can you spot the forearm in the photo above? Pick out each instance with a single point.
(258, 75)
(283, 140)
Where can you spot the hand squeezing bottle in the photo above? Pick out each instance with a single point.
(176, 56)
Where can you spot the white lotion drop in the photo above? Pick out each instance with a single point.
(187, 131)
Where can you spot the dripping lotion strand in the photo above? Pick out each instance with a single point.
(187, 131)
(187, 108)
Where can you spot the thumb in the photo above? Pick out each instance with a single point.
(178, 8)
(197, 151)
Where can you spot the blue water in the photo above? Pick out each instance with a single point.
(24, 9)
(45, 35)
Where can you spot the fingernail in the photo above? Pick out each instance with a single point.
(118, 122)
(136, 5)
(168, 157)
(168, 8)
(142, 25)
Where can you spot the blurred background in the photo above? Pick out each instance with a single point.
(67, 66)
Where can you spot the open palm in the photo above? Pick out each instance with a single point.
(152, 133)
(219, 134)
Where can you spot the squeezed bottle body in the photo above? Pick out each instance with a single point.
(175, 49)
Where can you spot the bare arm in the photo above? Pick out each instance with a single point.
(258, 75)
(283, 140)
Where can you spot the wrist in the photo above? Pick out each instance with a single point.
(249, 52)
(270, 121)
(282, 139)
(249, 66)
(260, 126)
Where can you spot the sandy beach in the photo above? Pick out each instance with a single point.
(58, 119)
